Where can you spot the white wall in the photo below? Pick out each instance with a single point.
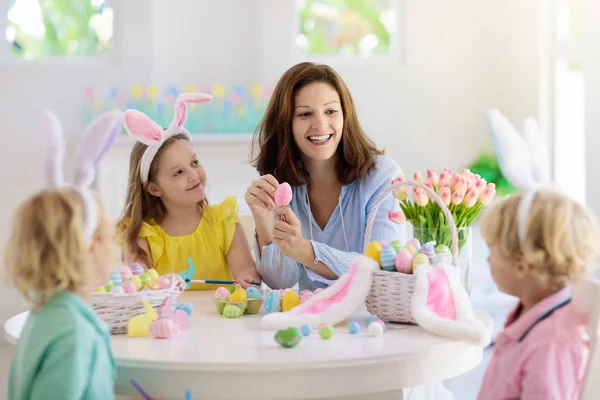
(460, 58)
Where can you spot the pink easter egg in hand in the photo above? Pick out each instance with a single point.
(129, 287)
(163, 328)
(404, 261)
(283, 195)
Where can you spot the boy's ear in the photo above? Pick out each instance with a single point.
(521, 267)
(153, 189)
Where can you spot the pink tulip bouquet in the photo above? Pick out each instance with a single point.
(464, 194)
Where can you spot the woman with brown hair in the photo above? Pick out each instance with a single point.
(310, 137)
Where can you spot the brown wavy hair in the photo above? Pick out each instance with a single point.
(141, 206)
(274, 150)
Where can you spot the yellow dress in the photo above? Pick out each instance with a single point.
(207, 245)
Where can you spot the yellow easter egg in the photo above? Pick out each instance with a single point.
(238, 296)
(153, 274)
(412, 249)
(289, 301)
(137, 281)
(373, 251)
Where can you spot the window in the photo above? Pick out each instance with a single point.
(47, 29)
(348, 29)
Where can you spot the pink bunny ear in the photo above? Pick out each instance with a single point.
(181, 107)
(142, 128)
(55, 150)
(96, 140)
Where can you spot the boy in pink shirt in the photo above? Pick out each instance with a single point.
(539, 243)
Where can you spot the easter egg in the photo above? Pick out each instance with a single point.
(163, 328)
(444, 253)
(396, 245)
(388, 258)
(101, 289)
(373, 251)
(289, 301)
(153, 285)
(289, 337)
(253, 293)
(136, 281)
(153, 274)
(326, 331)
(404, 261)
(429, 251)
(273, 301)
(164, 282)
(110, 286)
(372, 318)
(415, 243)
(383, 243)
(306, 296)
(238, 296)
(233, 289)
(116, 278)
(412, 249)
(221, 293)
(188, 308)
(136, 269)
(232, 311)
(125, 272)
(420, 260)
(129, 287)
(375, 329)
(306, 330)
(145, 279)
(353, 327)
(118, 290)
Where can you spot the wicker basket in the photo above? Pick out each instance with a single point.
(391, 292)
(117, 309)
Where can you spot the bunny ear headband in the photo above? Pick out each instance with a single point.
(524, 160)
(148, 132)
(95, 142)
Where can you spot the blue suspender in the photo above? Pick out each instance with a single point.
(544, 316)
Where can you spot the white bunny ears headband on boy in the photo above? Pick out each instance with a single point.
(148, 132)
(524, 160)
(95, 142)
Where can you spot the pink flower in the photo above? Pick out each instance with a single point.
(401, 193)
(397, 217)
(454, 181)
(467, 173)
(457, 197)
(399, 178)
(488, 194)
(461, 186)
(428, 184)
(471, 198)
(480, 185)
(420, 197)
(445, 194)
(418, 177)
(432, 177)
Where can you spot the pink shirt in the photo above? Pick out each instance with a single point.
(540, 355)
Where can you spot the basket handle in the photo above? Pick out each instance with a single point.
(434, 196)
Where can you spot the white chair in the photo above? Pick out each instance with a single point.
(586, 300)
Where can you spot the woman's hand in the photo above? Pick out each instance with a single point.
(287, 235)
(260, 198)
(247, 280)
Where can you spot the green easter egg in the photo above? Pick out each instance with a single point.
(110, 286)
(289, 337)
(327, 331)
(231, 311)
(396, 245)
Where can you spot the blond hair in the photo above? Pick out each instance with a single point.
(141, 206)
(48, 250)
(561, 238)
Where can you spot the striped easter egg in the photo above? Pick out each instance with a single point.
(413, 250)
(429, 251)
(404, 261)
(396, 245)
(387, 259)
(444, 251)
(163, 328)
(420, 260)
(231, 311)
(273, 301)
(116, 278)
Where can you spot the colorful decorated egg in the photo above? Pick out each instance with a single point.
(153, 274)
(238, 296)
(373, 251)
(125, 272)
(307, 295)
(109, 286)
(118, 290)
(412, 249)
(429, 251)
(188, 308)
(101, 289)
(136, 269)
(396, 245)
(445, 254)
(222, 293)
(145, 279)
(116, 278)
(129, 287)
(388, 258)
(136, 281)
(415, 243)
(289, 337)
(273, 301)
(163, 328)
(420, 260)
(383, 243)
(164, 282)
(404, 261)
(253, 293)
(234, 288)
(289, 301)
(153, 285)
(232, 311)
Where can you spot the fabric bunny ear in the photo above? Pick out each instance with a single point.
(538, 150)
(55, 149)
(142, 128)
(97, 139)
(512, 151)
(181, 107)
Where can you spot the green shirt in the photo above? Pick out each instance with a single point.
(63, 353)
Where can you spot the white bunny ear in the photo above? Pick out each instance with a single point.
(538, 149)
(512, 151)
(55, 149)
(97, 139)
(181, 108)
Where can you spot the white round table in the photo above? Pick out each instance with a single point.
(221, 358)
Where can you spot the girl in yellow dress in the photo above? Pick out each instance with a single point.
(167, 217)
